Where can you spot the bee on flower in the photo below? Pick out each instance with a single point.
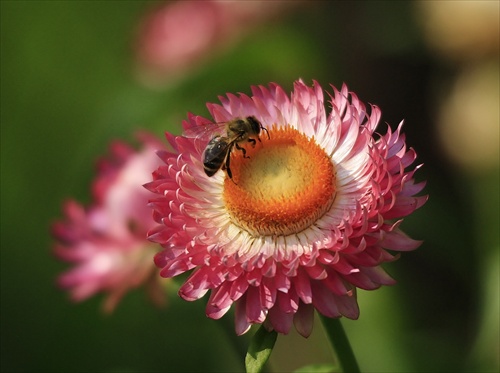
(298, 220)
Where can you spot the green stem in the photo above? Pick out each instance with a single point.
(340, 344)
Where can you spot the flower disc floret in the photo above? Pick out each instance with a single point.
(308, 217)
(280, 187)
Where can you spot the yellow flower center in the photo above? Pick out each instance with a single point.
(282, 186)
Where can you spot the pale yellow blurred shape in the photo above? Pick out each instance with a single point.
(469, 118)
(461, 30)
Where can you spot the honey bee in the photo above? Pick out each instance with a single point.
(217, 154)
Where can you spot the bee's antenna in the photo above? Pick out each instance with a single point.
(265, 129)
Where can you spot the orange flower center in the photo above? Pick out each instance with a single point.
(282, 186)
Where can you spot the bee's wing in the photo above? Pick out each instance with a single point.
(202, 134)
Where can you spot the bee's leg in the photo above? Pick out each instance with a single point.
(226, 163)
(252, 141)
(227, 167)
(243, 150)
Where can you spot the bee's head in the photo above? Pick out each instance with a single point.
(256, 125)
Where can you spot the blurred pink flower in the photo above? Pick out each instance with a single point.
(107, 240)
(307, 217)
(179, 35)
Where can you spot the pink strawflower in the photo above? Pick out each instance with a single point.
(107, 240)
(307, 217)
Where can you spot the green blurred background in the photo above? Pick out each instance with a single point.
(69, 85)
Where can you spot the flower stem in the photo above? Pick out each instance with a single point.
(340, 344)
